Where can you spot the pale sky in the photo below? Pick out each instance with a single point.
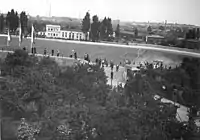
(179, 11)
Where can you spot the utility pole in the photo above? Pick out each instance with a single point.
(50, 10)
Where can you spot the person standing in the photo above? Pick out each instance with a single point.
(58, 53)
(24, 48)
(45, 51)
(85, 57)
(117, 68)
(52, 52)
(74, 54)
(111, 65)
(111, 76)
(88, 58)
(34, 49)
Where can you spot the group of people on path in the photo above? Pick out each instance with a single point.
(52, 53)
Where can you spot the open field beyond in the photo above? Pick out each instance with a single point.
(116, 54)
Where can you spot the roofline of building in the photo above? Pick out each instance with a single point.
(53, 25)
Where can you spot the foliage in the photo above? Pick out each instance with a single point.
(26, 131)
(162, 28)
(23, 21)
(76, 103)
(193, 34)
(117, 31)
(1, 22)
(95, 28)
(149, 29)
(86, 23)
(136, 32)
(12, 20)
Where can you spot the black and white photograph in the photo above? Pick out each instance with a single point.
(99, 70)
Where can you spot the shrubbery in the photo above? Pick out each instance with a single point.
(74, 103)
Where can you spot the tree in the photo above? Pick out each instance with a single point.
(162, 28)
(103, 29)
(95, 28)
(194, 33)
(1, 23)
(149, 29)
(117, 31)
(23, 21)
(12, 20)
(136, 32)
(109, 27)
(198, 33)
(86, 24)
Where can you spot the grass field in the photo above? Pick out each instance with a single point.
(111, 53)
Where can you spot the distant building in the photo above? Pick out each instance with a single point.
(154, 39)
(127, 34)
(54, 31)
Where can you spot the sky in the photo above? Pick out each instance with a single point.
(174, 11)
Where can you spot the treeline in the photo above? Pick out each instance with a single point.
(193, 34)
(13, 20)
(99, 30)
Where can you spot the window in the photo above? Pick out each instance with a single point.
(49, 34)
(54, 34)
(63, 35)
(72, 35)
(49, 29)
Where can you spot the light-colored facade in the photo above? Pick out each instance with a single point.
(54, 31)
(154, 39)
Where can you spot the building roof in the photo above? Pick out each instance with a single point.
(156, 36)
(53, 25)
(73, 30)
(127, 32)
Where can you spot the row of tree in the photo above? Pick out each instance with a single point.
(13, 21)
(98, 29)
(193, 34)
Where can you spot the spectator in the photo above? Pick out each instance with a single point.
(117, 68)
(111, 75)
(58, 53)
(111, 65)
(85, 57)
(24, 48)
(34, 49)
(88, 57)
(97, 60)
(103, 63)
(45, 51)
(75, 55)
(52, 52)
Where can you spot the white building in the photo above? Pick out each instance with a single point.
(54, 31)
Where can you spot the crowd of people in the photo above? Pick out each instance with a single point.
(102, 62)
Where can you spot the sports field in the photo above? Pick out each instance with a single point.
(110, 53)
